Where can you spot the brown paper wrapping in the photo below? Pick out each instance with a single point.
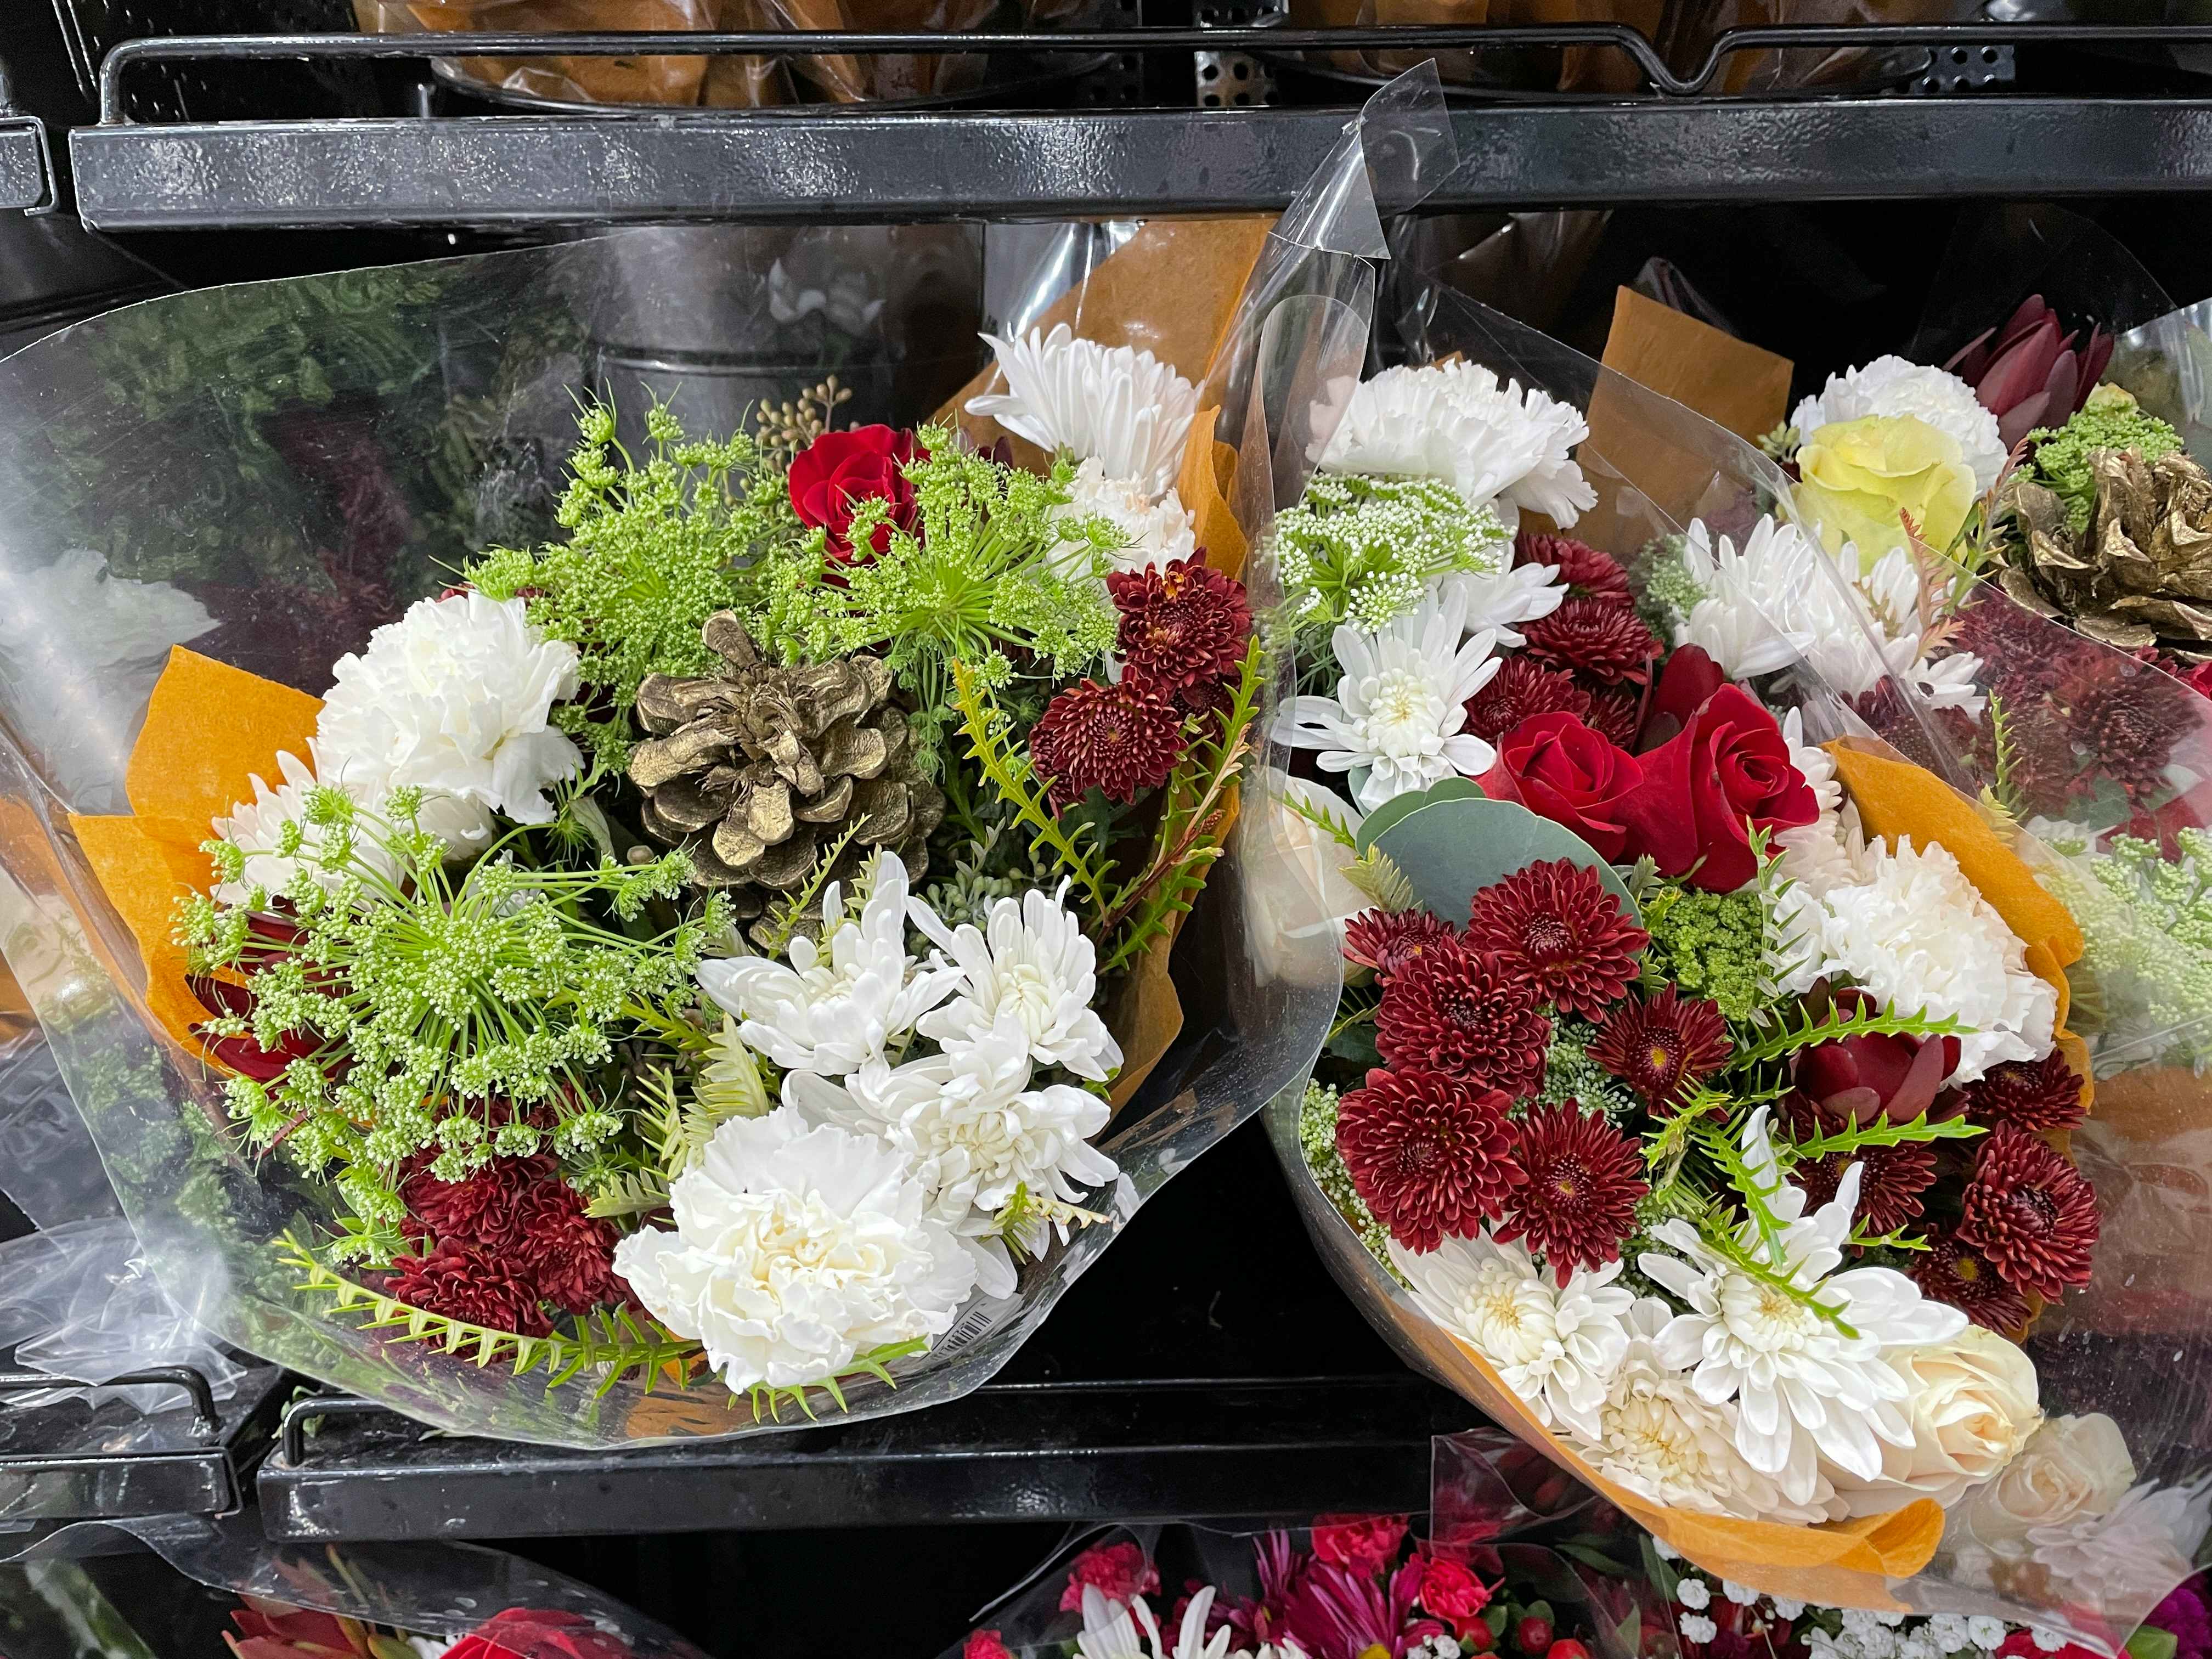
(1730, 382)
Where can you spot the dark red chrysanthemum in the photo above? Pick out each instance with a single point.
(1463, 1012)
(1616, 713)
(1587, 573)
(1520, 690)
(1950, 1270)
(2030, 1213)
(1582, 1179)
(2029, 1094)
(568, 1255)
(1118, 739)
(1608, 643)
(1662, 1047)
(480, 1210)
(2126, 716)
(1556, 922)
(1893, 1180)
(472, 1282)
(1386, 940)
(1184, 625)
(1431, 1155)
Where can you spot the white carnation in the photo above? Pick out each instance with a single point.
(1154, 531)
(1125, 409)
(1891, 386)
(796, 1252)
(454, 698)
(1920, 938)
(1032, 961)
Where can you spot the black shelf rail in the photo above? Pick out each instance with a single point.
(1675, 142)
(26, 162)
(1026, 1451)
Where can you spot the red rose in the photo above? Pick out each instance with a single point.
(1690, 679)
(840, 469)
(1365, 1543)
(1450, 1591)
(1704, 790)
(1560, 769)
(530, 1633)
(1119, 1571)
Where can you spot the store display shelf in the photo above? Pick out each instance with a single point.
(1673, 142)
(26, 165)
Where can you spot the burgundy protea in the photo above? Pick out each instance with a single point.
(2030, 1213)
(1521, 689)
(1951, 1270)
(1557, 923)
(1184, 625)
(1863, 1078)
(1893, 1180)
(1386, 940)
(1582, 1179)
(2030, 373)
(1608, 643)
(1616, 712)
(1464, 1012)
(2037, 1095)
(1119, 739)
(472, 1282)
(1662, 1046)
(1431, 1156)
(2126, 716)
(568, 1255)
(1583, 570)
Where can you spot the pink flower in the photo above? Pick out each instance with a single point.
(1365, 1543)
(1450, 1591)
(1119, 1572)
(984, 1645)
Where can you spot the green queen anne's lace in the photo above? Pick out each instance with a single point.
(1362, 551)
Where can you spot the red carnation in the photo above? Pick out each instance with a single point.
(1450, 1591)
(1662, 1047)
(1582, 1178)
(472, 1284)
(1363, 1543)
(1608, 642)
(570, 1255)
(1431, 1155)
(1184, 626)
(2030, 1213)
(1465, 1013)
(832, 476)
(1950, 1270)
(1520, 690)
(1560, 769)
(984, 1644)
(1386, 940)
(1118, 739)
(1583, 570)
(537, 1633)
(2039, 1094)
(1557, 923)
(1726, 774)
(1119, 1572)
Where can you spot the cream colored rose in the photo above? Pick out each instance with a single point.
(2075, 1466)
(1296, 896)
(1972, 1404)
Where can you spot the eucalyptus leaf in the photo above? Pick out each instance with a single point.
(1452, 848)
(1398, 806)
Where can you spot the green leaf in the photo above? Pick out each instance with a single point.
(1451, 848)
(1663, 1578)
(1398, 806)
(2149, 1642)
(1881, 1132)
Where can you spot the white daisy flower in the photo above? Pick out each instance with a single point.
(836, 1006)
(1892, 385)
(1400, 714)
(1112, 1630)
(1125, 409)
(1802, 1388)
(1030, 959)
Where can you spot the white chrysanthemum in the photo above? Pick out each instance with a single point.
(1918, 936)
(455, 698)
(796, 1250)
(256, 827)
(1031, 960)
(1892, 385)
(1156, 532)
(1656, 1438)
(1803, 1387)
(1856, 646)
(1662, 1441)
(838, 1006)
(1125, 409)
(1456, 421)
(1114, 1629)
(1399, 711)
(1757, 613)
(1497, 599)
(1559, 1350)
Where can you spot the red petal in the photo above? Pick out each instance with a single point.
(2058, 390)
(2021, 419)
(2021, 369)
(2094, 358)
(1968, 362)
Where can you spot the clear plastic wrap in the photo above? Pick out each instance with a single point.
(270, 471)
(2104, 1510)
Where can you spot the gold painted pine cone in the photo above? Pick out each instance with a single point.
(755, 770)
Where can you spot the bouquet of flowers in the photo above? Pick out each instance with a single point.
(703, 953)
(1702, 1086)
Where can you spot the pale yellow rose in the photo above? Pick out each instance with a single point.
(1972, 1405)
(2075, 1466)
(1858, 475)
